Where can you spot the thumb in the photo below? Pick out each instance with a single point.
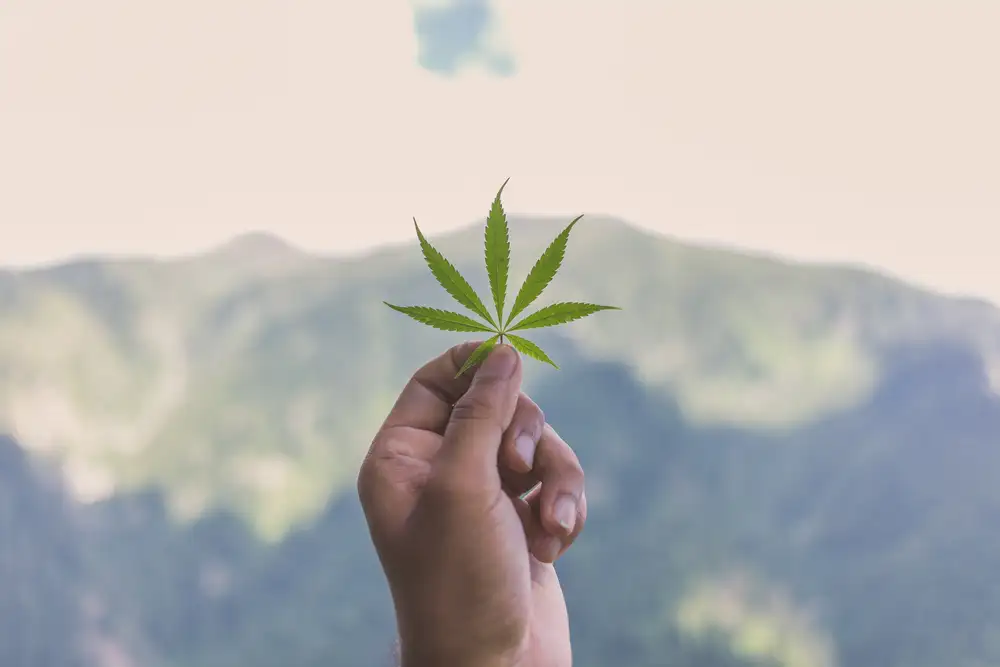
(478, 420)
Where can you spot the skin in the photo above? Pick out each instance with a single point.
(469, 561)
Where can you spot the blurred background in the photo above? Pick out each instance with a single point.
(791, 432)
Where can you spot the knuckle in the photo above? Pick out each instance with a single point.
(366, 478)
(531, 414)
(473, 406)
(528, 420)
(375, 467)
(364, 486)
(571, 469)
(560, 462)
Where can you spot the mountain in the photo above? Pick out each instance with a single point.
(51, 611)
(258, 391)
(788, 465)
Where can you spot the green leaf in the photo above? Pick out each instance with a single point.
(497, 245)
(478, 354)
(450, 279)
(497, 252)
(445, 320)
(558, 313)
(542, 272)
(526, 347)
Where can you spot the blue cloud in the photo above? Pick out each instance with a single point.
(455, 34)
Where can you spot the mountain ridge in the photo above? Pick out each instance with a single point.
(787, 466)
(273, 242)
(213, 379)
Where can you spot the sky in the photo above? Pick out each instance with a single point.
(850, 131)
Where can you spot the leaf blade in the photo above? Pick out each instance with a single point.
(559, 313)
(497, 243)
(451, 280)
(526, 347)
(542, 272)
(445, 320)
(478, 354)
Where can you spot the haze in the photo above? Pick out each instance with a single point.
(863, 132)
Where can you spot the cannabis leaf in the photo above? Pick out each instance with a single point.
(497, 245)
(451, 279)
(497, 252)
(525, 346)
(478, 354)
(557, 313)
(541, 273)
(441, 319)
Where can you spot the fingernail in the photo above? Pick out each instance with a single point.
(564, 511)
(524, 444)
(500, 363)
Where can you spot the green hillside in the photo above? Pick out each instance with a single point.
(788, 465)
(251, 378)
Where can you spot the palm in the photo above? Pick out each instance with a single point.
(538, 597)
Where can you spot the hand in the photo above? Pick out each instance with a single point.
(469, 562)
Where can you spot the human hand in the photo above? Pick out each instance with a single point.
(468, 560)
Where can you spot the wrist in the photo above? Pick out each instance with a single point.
(428, 639)
(431, 659)
(421, 654)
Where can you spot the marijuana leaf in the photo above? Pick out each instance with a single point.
(497, 242)
(478, 354)
(450, 279)
(441, 319)
(558, 313)
(497, 252)
(525, 346)
(541, 273)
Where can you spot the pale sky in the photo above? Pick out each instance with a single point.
(864, 131)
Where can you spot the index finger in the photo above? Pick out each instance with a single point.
(427, 399)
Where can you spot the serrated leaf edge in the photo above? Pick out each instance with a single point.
(462, 286)
(478, 354)
(555, 250)
(466, 296)
(590, 308)
(443, 315)
(529, 348)
(497, 266)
